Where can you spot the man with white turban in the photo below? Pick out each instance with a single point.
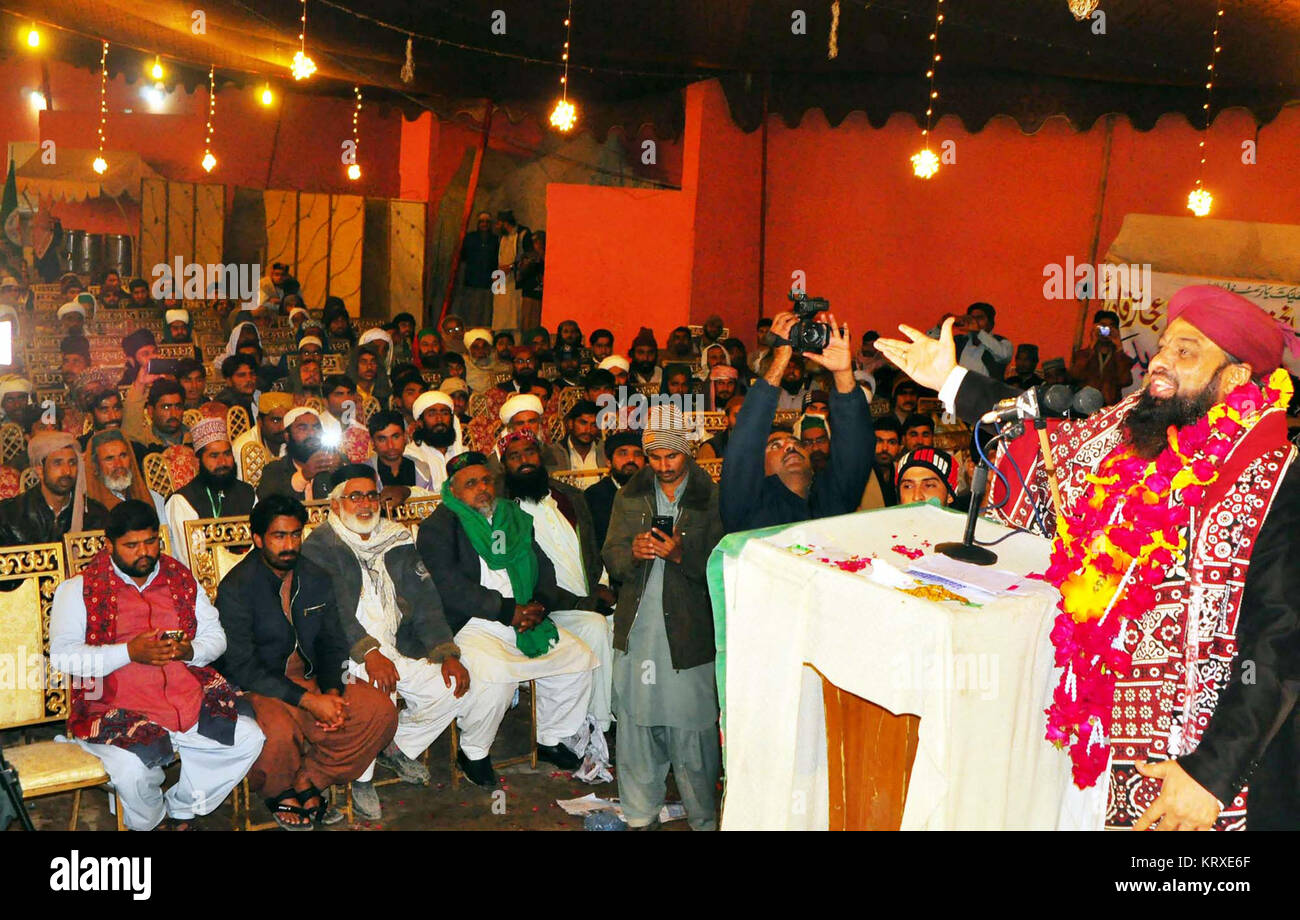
(482, 364)
(437, 436)
(15, 394)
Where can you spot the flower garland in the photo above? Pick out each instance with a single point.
(1127, 528)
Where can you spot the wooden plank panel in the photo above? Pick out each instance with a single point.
(282, 230)
(180, 221)
(869, 757)
(312, 268)
(347, 234)
(153, 226)
(210, 211)
(406, 257)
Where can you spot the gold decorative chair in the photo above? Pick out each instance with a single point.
(555, 428)
(253, 458)
(580, 479)
(12, 441)
(175, 350)
(238, 421)
(570, 397)
(647, 389)
(711, 422)
(191, 417)
(369, 406)
(477, 404)
(712, 467)
(502, 376)
(43, 767)
(879, 407)
(929, 405)
(785, 417)
(80, 546)
(28, 479)
(156, 474)
(432, 378)
(333, 364)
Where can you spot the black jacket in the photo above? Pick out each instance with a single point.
(600, 499)
(277, 479)
(1254, 734)
(688, 612)
(26, 518)
(237, 500)
(259, 640)
(750, 498)
(422, 631)
(445, 548)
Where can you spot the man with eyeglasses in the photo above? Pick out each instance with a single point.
(769, 476)
(393, 625)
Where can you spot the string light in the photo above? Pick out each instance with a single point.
(267, 96)
(1199, 200)
(302, 66)
(33, 37)
(157, 70)
(354, 168)
(209, 160)
(565, 114)
(925, 164)
(100, 165)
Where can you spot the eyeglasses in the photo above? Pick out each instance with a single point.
(357, 498)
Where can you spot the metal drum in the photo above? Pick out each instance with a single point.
(87, 252)
(71, 243)
(117, 254)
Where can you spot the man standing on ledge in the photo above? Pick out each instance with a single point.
(768, 477)
(1179, 632)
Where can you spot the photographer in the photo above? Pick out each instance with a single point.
(767, 477)
(1104, 365)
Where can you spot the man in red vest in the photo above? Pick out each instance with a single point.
(136, 633)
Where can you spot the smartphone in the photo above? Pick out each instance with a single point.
(663, 522)
(176, 635)
(164, 366)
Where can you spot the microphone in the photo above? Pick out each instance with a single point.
(1086, 401)
(1013, 408)
(1057, 399)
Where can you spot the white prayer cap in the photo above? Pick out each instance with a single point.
(431, 398)
(16, 384)
(177, 316)
(452, 385)
(310, 340)
(9, 281)
(373, 334)
(478, 335)
(615, 361)
(71, 307)
(297, 412)
(520, 402)
(294, 311)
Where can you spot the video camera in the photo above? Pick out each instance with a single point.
(806, 335)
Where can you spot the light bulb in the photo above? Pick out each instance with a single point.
(925, 164)
(209, 161)
(37, 99)
(267, 97)
(564, 115)
(302, 67)
(100, 165)
(157, 71)
(354, 172)
(1200, 201)
(33, 38)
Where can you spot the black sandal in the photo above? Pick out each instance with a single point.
(279, 809)
(317, 813)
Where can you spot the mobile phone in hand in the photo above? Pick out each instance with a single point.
(662, 522)
(176, 635)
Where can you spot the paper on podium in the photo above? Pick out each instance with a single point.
(983, 582)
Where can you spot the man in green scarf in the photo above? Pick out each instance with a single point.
(497, 587)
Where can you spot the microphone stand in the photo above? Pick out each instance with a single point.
(966, 550)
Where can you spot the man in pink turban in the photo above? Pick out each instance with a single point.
(1179, 635)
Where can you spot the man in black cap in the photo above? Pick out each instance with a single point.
(568, 362)
(625, 458)
(75, 354)
(978, 349)
(926, 473)
(138, 347)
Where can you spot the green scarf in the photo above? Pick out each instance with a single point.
(513, 527)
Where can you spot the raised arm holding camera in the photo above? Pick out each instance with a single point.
(767, 477)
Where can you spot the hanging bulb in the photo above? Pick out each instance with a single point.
(564, 115)
(33, 37)
(209, 161)
(354, 172)
(100, 165)
(157, 71)
(302, 67)
(267, 97)
(1200, 201)
(925, 164)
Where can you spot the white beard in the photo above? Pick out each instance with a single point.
(120, 483)
(358, 526)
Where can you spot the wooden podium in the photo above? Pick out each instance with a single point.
(869, 755)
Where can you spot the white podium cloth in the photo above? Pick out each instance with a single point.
(978, 678)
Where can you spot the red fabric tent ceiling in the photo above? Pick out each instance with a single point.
(1025, 58)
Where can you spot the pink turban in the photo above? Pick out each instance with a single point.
(1236, 325)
